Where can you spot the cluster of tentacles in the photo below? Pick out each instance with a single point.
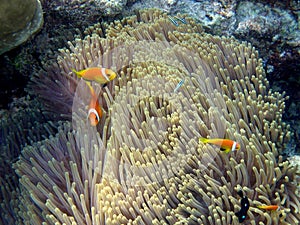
(144, 164)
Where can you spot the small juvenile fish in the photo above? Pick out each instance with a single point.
(225, 145)
(269, 207)
(95, 111)
(174, 18)
(97, 74)
(182, 20)
(178, 85)
(173, 21)
(242, 214)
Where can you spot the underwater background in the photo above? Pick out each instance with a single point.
(185, 70)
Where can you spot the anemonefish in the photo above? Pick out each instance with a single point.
(225, 145)
(97, 74)
(95, 111)
(242, 214)
(268, 207)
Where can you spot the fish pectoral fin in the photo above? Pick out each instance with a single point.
(226, 150)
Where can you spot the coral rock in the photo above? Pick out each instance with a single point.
(19, 19)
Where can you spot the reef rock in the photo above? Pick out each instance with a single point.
(19, 19)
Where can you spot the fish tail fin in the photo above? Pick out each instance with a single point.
(77, 73)
(203, 140)
(241, 193)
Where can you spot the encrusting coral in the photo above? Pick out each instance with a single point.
(143, 164)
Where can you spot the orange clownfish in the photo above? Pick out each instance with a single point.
(269, 207)
(225, 145)
(97, 74)
(95, 111)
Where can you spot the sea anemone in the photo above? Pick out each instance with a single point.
(144, 163)
(19, 127)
